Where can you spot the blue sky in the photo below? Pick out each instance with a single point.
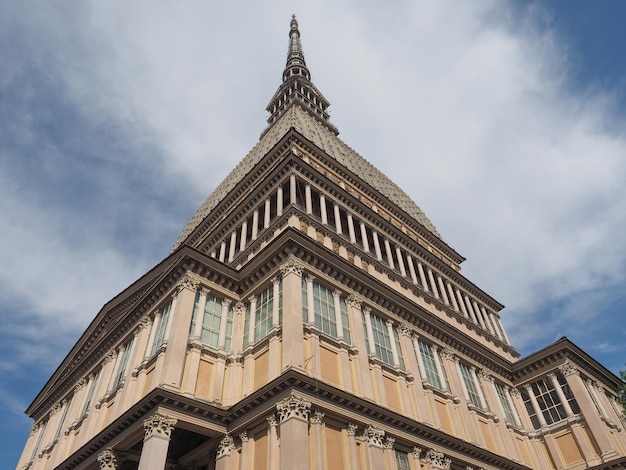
(503, 121)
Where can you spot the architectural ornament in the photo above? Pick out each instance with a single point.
(405, 329)
(239, 308)
(185, 283)
(514, 392)
(486, 375)
(271, 420)
(416, 452)
(437, 460)
(159, 425)
(80, 384)
(252, 299)
(389, 442)
(351, 429)
(569, 368)
(244, 437)
(227, 302)
(226, 445)
(293, 406)
(374, 435)
(55, 408)
(448, 353)
(317, 418)
(107, 459)
(353, 301)
(292, 266)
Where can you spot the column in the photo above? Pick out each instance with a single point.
(293, 337)
(323, 209)
(455, 306)
(416, 453)
(276, 303)
(310, 302)
(255, 224)
(307, 199)
(535, 405)
(409, 261)
(439, 366)
(158, 430)
(244, 458)
(487, 322)
(351, 228)
(318, 439)
(352, 450)
(509, 398)
(244, 235)
(392, 341)
(279, 201)
(337, 218)
(363, 376)
(267, 213)
(370, 333)
(390, 456)
(153, 329)
(221, 341)
(232, 246)
(252, 324)
(431, 280)
(374, 437)
(107, 460)
(199, 320)
(292, 190)
(181, 310)
(561, 395)
(293, 414)
(420, 270)
(461, 304)
(470, 310)
(479, 315)
(400, 261)
(479, 388)
(222, 256)
(392, 265)
(598, 428)
(366, 243)
(506, 337)
(222, 460)
(274, 451)
(442, 289)
(338, 319)
(379, 255)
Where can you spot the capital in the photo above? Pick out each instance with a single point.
(317, 418)
(271, 420)
(159, 425)
(437, 460)
(353, 301)
(293, 407)
(486, 375)
(226, 445)
(351, 429)
(374, 435)
(243, 436)
(448, 353)
(389, 442)
(107, 459)
(405, 329)
(239, 308)
(416, 452)
(569, 368)
(292, 266)
(186, 283)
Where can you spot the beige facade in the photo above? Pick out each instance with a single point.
(310, 316)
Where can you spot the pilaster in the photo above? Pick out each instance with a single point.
(293, 414)
(158, 430)
(292, 337)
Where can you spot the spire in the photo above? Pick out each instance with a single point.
(295, 58)
(297, 87)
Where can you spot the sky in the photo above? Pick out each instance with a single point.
(504, 121)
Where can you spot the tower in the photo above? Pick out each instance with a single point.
(311, 316)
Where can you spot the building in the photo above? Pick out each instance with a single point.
(310, 316)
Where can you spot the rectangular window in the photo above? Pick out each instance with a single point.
(548, 400)
(263, 314)
(506, 405)
(382, 341)
(470, 385)
(324, 310)
(402, 460)
(430, 372)
(211, 321)
(91, 390)
(62, 419)
(159, 337)
(124, 356)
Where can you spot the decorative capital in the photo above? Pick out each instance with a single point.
(107, 459)
(271, 420)
(437, 460)
(292, 266)
(204, 290)
(55, 408)
(317, 418)
(310, 278)
(336, 293)
(226, 445)
(293, 407)
(448, 354)
(374, 435)
(144, 322)
(353, 301)
(485, 374)
(252, 299)
(239, 308)
(351, 429)
(80, 384)
(186, 283)
(569, 368)
(416, 453)
(227, 302)
(405, 329)
(514, 392)
(389, 322)
(276, 280)
(389, 442)
(33, 430)
(244, 437)
(159, 425)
